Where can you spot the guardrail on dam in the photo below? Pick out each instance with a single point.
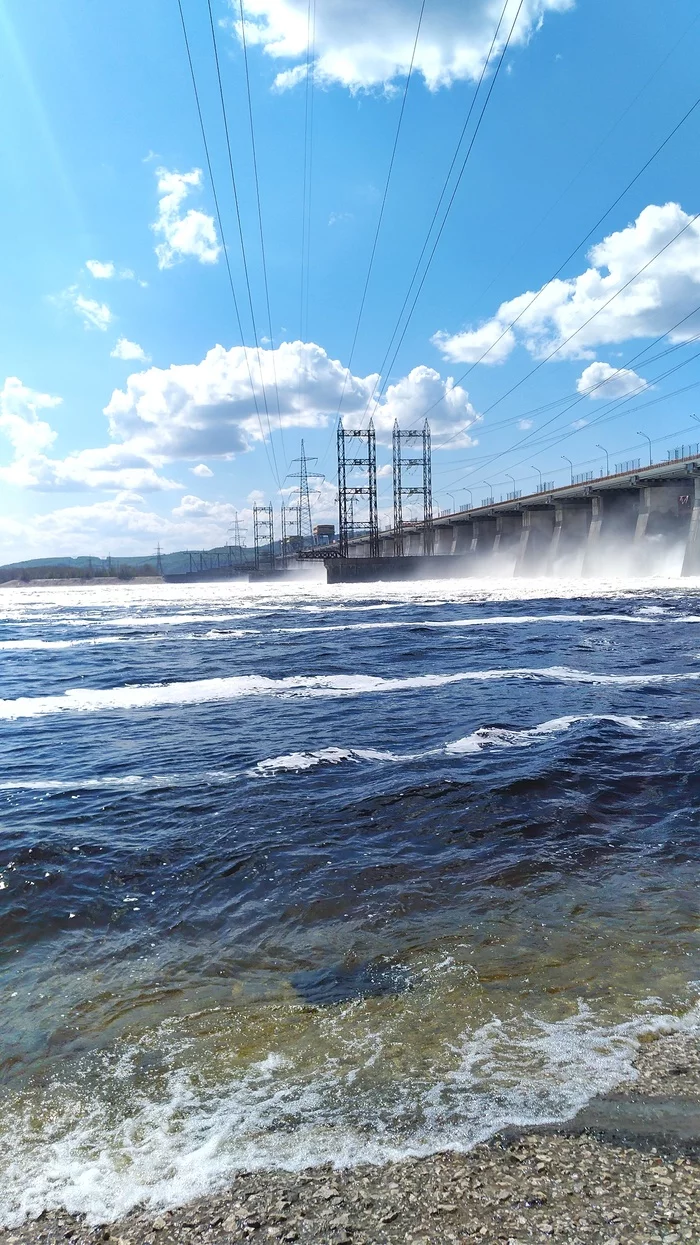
(641, 518)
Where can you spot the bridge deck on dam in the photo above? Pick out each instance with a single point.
(644, 520)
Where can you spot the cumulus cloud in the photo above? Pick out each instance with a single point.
(85, 470)
(600, 380)
(114, 467)
(185, 234)
(368, 43)
(130, 351)
(19, 421)
(107, 271)
(101, 272)
(124, 525)
(207, 409)
(193, 412)
(424, 389)
(667, 291)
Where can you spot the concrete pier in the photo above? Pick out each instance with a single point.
(635, 520)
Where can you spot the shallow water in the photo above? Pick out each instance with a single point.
(291, 873)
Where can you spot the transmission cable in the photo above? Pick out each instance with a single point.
(539, 410)
(570, 256)
(583, 326)
(244, 44)
(589, 159)
(227, 260)
(224, 113)
(447, 210)
(308, 165)
(380, 219)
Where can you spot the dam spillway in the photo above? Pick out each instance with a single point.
(644, 518)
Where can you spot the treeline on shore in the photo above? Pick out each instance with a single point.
(123, 571)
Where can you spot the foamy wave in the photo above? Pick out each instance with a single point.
(202, 691)
(504, 737)
(184, 1138)
(299, 761)
(483, 738)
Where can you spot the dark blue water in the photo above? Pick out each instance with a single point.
(290, 874)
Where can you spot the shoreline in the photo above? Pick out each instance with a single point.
(625, 1170)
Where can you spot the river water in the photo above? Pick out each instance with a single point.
(291, 873)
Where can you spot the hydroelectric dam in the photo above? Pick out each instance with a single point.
(645, 520)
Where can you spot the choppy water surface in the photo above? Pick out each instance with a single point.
(291, 873)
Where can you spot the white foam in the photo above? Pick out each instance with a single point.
(184, 1138)
(299, 761)
(241, 632)
(502, 737)
(202, 691)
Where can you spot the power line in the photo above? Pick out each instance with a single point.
(571, 336)
(635, 359)
(308, 167)
(589, 159)
(260, 223)
(383, 370)
(569, 257)
(380, 219)
(227, 260)
(224, 113)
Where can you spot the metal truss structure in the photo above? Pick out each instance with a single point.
(347, 462)
(264, 537)
(412, 438)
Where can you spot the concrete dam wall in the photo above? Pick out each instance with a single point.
(641, 522)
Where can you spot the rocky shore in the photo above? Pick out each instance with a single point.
(624, 1171)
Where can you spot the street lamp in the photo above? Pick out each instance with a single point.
(454, 503)
(607, 457)
(490, 488)
(471, 497)
(571, 465)
(647, 438)
(510, 477)
(539, 474)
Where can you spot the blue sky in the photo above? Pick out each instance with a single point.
(126, 414)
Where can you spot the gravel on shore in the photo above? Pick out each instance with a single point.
(571, 1184)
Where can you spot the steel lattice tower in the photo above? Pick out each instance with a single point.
(264, 536)
(347, 492)
(424, 489)
(305, 528)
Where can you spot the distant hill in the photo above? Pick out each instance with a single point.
(87, 566)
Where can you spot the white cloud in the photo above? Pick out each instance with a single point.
(129, 351)
(123, 525)
(108, 271)
(207, 410)
(110, 469)
(524, 424)
(114, 467)
(600, 380)
(579, 423)
(367, 43)
(100, 271)
(95, 315)
(192, 234)
(410, 398)
(19, 421)
(667, 291)
(193, 412)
